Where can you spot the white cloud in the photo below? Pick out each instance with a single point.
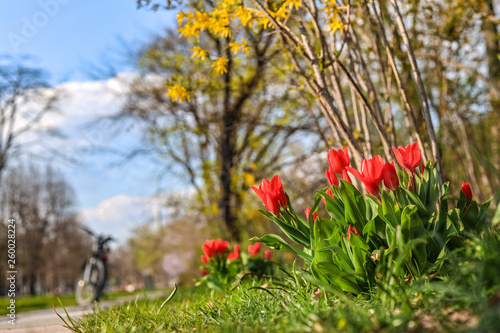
(119, 215)
(81, 120)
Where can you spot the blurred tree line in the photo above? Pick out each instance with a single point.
(50, 246)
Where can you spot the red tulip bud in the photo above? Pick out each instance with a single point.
(353, 230)
(267, 254)
(235, 254)
(307, 211)
(467, 191)
(330, 193)
(254, 249)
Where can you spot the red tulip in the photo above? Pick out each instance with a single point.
(204, 259)
(254, 249)
(408, 157)
(235, 254)
(204, 272)
(331, 177)
(338, 160)
(371, 174)
(391, 180)
(272, 204)
(353, 230)
(272, 194)
(467, 191)
(330, 193)
(211, 248)
(307, 214)
(267, 254)
(422, 170)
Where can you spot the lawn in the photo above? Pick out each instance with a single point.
(458, 301)
(304, 309)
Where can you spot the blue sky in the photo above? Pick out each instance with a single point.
(66, 37)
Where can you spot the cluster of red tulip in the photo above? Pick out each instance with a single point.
(254, 250)
(212, 248)
(215, 247)
(222, 266)
(372, 173)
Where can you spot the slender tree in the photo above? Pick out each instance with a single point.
(24, 99)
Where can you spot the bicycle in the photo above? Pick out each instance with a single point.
(95, 271)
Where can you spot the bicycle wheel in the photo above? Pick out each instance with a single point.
(91, 284)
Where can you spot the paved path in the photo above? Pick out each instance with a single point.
(45, 321)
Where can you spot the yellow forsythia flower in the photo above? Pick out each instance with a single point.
(244, 47)
(262, 19)
(333, 12)
(176, 91)
(244, 15)
(239, 47)
(195, 22)
(220, 65)
(235, 47)
(281, 13)
(335, 25)
(198, 52)
(293, 3)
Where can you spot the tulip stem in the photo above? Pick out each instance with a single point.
(396, 197)
(293, 218)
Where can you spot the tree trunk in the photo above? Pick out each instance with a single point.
(32, 284)
(227, 152)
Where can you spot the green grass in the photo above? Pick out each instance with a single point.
(46, 301)
(465, 298)
(307, 309)
(299, 307)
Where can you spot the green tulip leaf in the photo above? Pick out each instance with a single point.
(388, 210)
(337, 277)
(292, 232)
(334, 207)
(496, 217)
(278, 243)
(413, 229)
(355, 206)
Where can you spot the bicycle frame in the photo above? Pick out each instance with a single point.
(95, 271)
